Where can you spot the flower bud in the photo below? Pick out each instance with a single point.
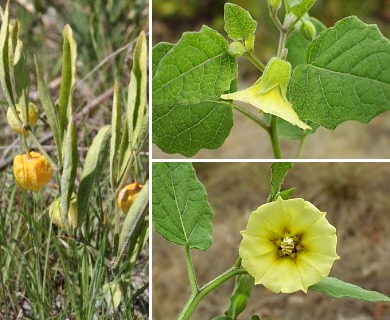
(236, 49)
(250, 44)
(55, 213)
(32, 171)
(128, 195)
(308, 30)
(15, 124)
(275, 4)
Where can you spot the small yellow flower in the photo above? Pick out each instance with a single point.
(288, 245)
(32, 171)
(55, 213)
(127, 195)
(269, 93)
(13, 121)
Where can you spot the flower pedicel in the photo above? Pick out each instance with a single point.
(288, 245)
(32, 171)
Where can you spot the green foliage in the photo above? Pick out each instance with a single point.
(344, 77)
(239, 25)
(340, 289)
(190, 77)
(181, 212)
(278, 172)
(298, 8)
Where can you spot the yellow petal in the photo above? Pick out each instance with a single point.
(270, 102)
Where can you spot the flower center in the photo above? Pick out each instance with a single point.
(287, 245)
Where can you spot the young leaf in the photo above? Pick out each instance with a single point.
(50, 111)
(134, 218)
(299, 7)
(95, 161)
(239, 24)
(279, 171)
(4, 59)
(181, 212)
(188, 128)
(69, 171)
(346, 75)
(136, 102)
(68, 77)
(339, 289)
(197, 68)
(115, 132)
(158, 52)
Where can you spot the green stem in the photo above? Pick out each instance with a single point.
(274, 137)
(282, 43)
(251, 116)
(206, 289)
(301, 146)
(191, 271)
(39, 146)
(255, 60)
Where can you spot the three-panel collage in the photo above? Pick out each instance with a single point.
(203, 160)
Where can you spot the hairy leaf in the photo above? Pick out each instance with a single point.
(239, 24)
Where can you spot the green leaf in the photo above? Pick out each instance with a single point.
(197, 68)
(5, 78)
(158, 52)
(346, 75)
(136, 102)
(115, 132)
(339, 289)
(134, 219)
(93, 168)
(279, 171)
(297, 43)
(68, 77)
(298, 8)
(286, 194)
(181, 212)
(188, 128)
(69, 171)
(239, 24)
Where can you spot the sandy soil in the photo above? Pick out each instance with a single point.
(355, 197)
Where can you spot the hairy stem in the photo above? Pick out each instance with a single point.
(274, 137)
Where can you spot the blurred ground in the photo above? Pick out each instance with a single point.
(355, 197)
(350, 140)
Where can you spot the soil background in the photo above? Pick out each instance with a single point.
(356, 199)
(247, 141)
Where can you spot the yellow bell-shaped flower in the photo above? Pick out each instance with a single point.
(32, 171)
(127, 195)
(15, 124)
(288, 245)
(269, 93)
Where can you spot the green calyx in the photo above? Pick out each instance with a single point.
(276, 73)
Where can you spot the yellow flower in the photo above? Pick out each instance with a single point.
(269, 93)
(288, 245)
(127, 195)
(13, 121)
(32, 171)
(55, 213)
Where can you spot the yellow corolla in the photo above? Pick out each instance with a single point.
(55, 213)
(127, 195)
(288, 245)
(13, 121)
(32, 171)
(269, 93)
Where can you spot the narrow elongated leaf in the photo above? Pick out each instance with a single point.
(4, 59)
(279, 171)
(239, 23)
(188, 128)
(50, 111)
(158, 52)
(346, 75)
(340, 289)
(69, 171)
(115, 132)
(134, 218)
(181, 212)
(92, 169)
(136, 101)
(68, 77)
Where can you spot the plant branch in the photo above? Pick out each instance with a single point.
(255, 60)
(251, 116)
(274, 137)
